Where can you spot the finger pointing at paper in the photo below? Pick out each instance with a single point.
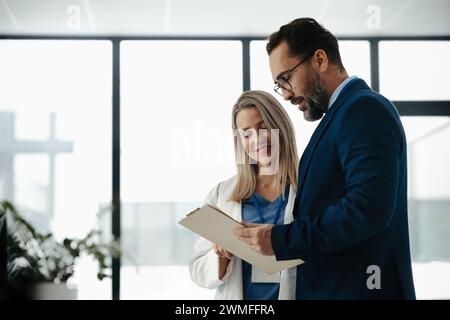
(257, 236)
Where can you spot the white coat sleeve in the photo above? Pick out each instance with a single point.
(204, 266)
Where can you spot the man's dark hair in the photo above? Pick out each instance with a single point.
(304, 36)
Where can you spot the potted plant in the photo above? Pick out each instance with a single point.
(36, 260)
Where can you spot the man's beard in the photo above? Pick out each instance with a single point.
(316, 98)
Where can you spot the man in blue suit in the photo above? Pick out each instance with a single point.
(351, 224)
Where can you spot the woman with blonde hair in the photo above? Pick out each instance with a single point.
(263, 191)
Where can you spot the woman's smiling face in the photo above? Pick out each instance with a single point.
(254, 135)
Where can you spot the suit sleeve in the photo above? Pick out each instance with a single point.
(369, 146)
(204, 265)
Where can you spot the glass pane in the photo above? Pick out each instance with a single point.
(177, 143)
(356, 60)
(355, 56)
(429, 204)
(55, 150)
(415, 70)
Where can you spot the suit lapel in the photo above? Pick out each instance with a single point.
(307, 156)
(309, 151)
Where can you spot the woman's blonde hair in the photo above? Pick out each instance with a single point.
(274, 117)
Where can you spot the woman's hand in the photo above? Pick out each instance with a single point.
(224, 259)
(222, 253)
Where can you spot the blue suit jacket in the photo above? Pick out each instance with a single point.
(351, 206)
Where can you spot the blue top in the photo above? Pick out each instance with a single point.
(269, 211)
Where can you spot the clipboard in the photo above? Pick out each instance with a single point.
(218, 227)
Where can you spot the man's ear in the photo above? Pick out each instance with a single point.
(320, 59)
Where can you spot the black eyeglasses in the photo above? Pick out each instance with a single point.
(282, 81)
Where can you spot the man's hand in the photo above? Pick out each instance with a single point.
(258, 236)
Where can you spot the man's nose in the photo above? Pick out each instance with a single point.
(287, 94)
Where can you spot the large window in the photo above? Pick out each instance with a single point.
(55, 145)
(177, 143)
(429, 203)
(417, 71)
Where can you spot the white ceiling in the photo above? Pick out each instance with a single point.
(221, 18)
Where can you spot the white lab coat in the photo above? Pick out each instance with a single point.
(204, 266)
